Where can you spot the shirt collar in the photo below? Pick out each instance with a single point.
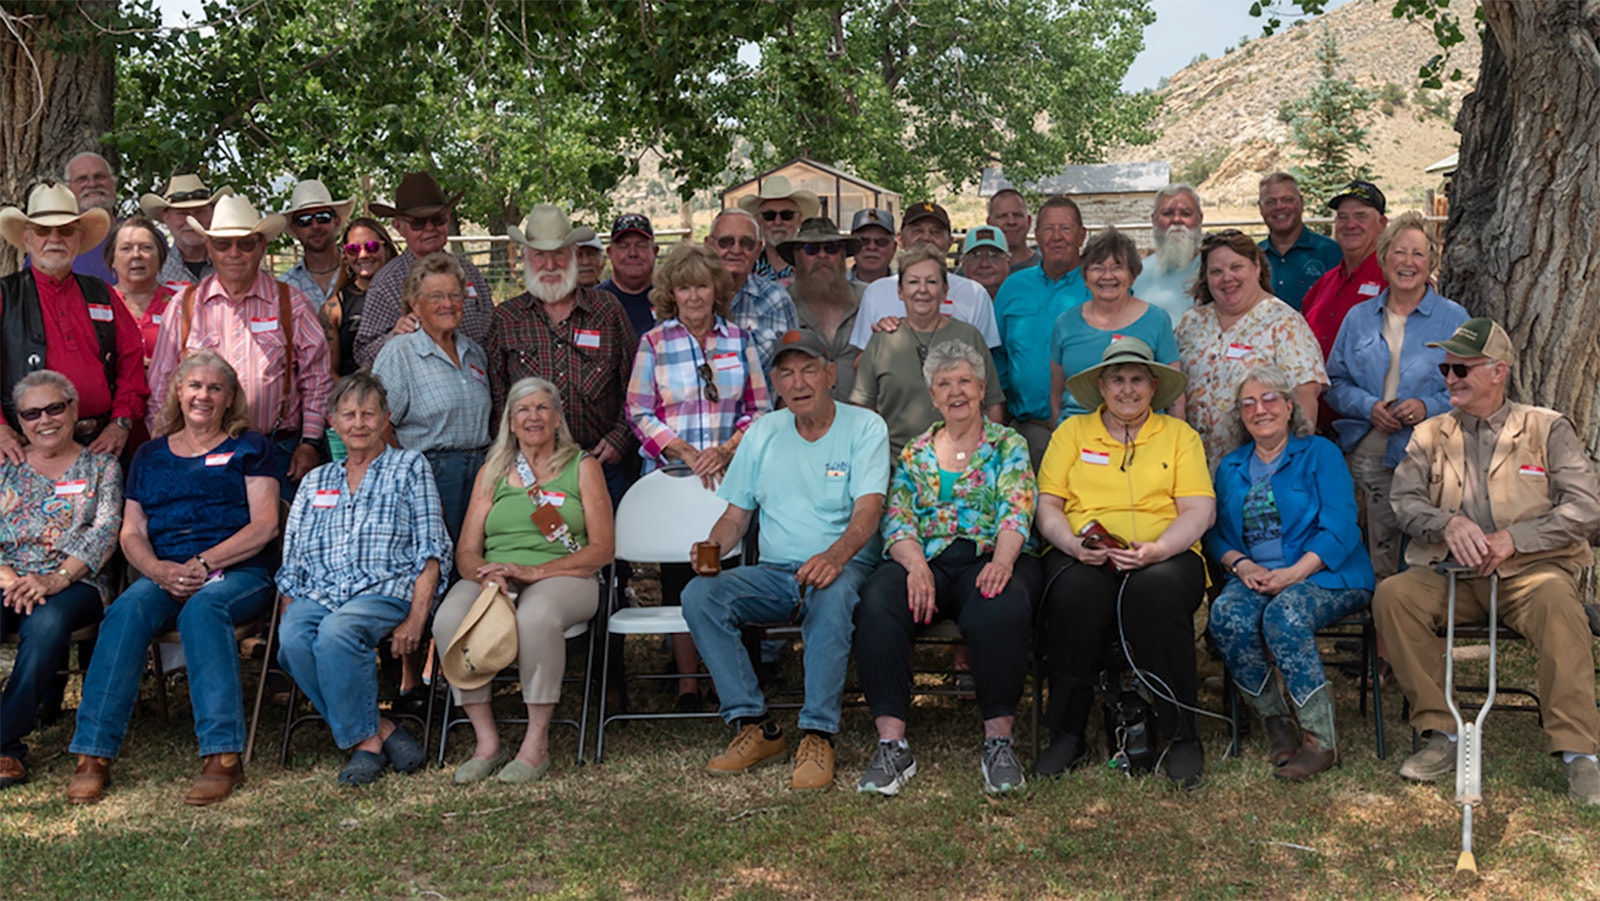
(211, 289)
(45, 278)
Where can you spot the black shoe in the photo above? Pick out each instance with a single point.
(688, 702)
(411, 703)
(1066, 752)
(1186, 760)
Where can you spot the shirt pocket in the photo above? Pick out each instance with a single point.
(270, 349)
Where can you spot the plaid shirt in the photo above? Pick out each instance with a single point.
(340, 544)
(762, 308)
(434, 404)
(381, 310)
(666, 398)
(588, 357)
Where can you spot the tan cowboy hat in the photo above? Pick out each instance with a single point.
(485, 643)
(183, 192)
(419, 195)
(1170, 382)
(546, 227)
(817, 230)
(776, 187)
(236, 217)
(53, 204)
(311, 194)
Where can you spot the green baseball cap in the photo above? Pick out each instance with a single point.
(1481, 337)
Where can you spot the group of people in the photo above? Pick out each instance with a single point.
(1065, 445)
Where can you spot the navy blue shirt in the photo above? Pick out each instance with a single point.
(1294, 273)
(641, 314)
(195, 503)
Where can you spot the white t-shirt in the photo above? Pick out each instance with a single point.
(966, 300)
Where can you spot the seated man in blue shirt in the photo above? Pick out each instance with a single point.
(819, 528)
(1299, 256)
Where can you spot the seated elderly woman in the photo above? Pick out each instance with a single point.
(1124, 497)
(201, 506)
(60, 510)
(957, 518)
(538, 528)
(1286, 534)
(363, 557)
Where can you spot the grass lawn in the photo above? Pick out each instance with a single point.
(650, 823)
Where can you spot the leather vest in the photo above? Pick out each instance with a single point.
(22, 347)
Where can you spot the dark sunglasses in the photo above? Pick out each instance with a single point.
(785, 215)
(437, 220)
(813, 248)
(186, 196)
(1460, 369)
(709, 380)
(248, 243)
(45, 231)
(368, 246)
(1221, 238)
(726, 242)
(880, 241)
(322, 217)
(32, 413)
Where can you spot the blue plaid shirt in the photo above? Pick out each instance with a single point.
(764, 310)
(434, 404)
(340, 544)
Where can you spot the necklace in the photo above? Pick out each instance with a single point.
(922, 346)
(962, 455)
(332, 268)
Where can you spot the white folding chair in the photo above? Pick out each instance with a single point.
(659, 518)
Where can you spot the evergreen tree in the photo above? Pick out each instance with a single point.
(1324, 127)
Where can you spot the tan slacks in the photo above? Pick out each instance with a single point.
(545, 610)
(1540, 602)
(1373, 481)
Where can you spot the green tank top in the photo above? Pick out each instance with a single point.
(509, 535)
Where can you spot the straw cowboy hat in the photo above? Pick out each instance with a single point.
(546, 227)
(776, 187)
(183, 192)
(311, 194)
(419, 196)
(236, 217)
(52, 204)
(1170, 383)
(817, 230)
(485, 643)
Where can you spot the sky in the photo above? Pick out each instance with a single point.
(1187, 28)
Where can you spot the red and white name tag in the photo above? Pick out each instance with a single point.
(219, 459)
(176, 287)
(325, 499)
(1098, 458)
(157, 317)
(1527, 470)
(1239, 351)
(586, 337)
(101, 312)
(948, 307)
(259, 325)
(725, 362)
(477, 374)
(72, 486)
(472, 290)
(1369, 289)
(554, 498)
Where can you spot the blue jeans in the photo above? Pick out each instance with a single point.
(715, 607)
(453, 474)
(41, 651)
(1248, 626)
(205, 622)
(330, 655)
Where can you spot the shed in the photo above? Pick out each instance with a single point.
(842, 194)
(1106, 193)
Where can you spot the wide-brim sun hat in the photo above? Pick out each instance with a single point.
(182, 192)
(818, 230)
(236, 217)
(485, 643)
(1170, 383)
(777, 187)
(52, 204)
(311, 194)
(546, 227)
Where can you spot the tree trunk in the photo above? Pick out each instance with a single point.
(54, 104)
(1525, 207)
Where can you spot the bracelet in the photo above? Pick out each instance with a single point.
(203, 564)
(1234, 569)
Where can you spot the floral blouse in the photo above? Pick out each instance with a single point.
(45, 521)
(996, 492)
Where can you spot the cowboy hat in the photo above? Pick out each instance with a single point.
(1170, 382)
(419, 195)
(182, 192)
(485, 643)
(53, 204)
(776, 187)
(817, 230)
(236, 217)
(312, 194)
(546, 227)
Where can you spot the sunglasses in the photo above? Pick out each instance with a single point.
(1460, 369)
(45, 231)
(1222, 238)
(322, 217)
(785, 215)
(814, 248)
(1267, 398)
(368, 246)
(32, 413)
(726, 242)
(437, 220)
(186, 196)
(708, 380)
(880, 241)
(248, 243)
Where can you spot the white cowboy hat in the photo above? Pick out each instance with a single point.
(236, 217)
(546, 227)
(776, 187)
(183, 192)
(311, 194)
(53, 204)
(485, 643)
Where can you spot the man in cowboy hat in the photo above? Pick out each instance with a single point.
(633, 265)
(266, 330)
(184, 197)
(89, 176)
(824, 300)
(965, 299)
(314, 220)
(53, 318)
(423, 215)
(874, 228)
(780, 209)
(760, 306)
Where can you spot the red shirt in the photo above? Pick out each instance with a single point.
(150, 322)
(72, 349)
(1336, 293)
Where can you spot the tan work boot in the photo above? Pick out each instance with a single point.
(813, 764)
(1436, 760)
(1583, 780)
(89, 783)
(220, 775)
(749, 748)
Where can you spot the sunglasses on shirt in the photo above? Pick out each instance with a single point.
(708, 380)
(32, 413)
(321, 217)
(785, 215)
(369, 246)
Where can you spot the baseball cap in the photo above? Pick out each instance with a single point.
(872, 218)
(1480, 337)
(592, 242)
(632, 222)
(1364, 191)
(985, 236)
(927, 209)
(803, 340)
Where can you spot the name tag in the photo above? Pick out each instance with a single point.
(725, 362)
(73, 486)
(1239, 351)
(584, 337)
(100, 312)
(325, 499)
(257, 326)
(1096, 457)
(837, 470)
(1528, 470)
(157, 317)
(219, 459)
(176, 287)
(1369, 289)
(478, 374)
(554, 498)
(472, 290)
(948, 307)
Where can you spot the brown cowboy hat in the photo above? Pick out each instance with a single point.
(419, 195)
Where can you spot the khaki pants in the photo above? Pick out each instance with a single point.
(1541, 603)
(545, 610)
(1373, 481)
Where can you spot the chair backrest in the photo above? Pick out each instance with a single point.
(663, 514)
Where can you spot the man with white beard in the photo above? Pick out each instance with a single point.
(577, 338)
(1168, 277)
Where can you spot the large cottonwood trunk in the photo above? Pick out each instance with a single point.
(1524, 222)
(53, 104)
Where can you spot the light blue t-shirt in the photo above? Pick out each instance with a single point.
(806, 490)
(1170, 289)
(1026, 307)
(1076, 345)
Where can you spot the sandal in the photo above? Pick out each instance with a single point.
(364, 768)
(405, 754)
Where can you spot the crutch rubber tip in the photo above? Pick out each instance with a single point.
(1466, 866)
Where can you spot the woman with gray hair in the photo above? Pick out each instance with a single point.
(1286, 535)
(538, 528)
(955, 525)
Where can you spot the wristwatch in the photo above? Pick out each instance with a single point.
(123, 421)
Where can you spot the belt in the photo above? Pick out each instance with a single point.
(285, 435)
(90, 426)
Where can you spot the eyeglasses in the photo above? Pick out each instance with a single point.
(785, 215)
(45, 231)
(880, 241)
(437, 220)
(1108, 268)
(814, 248)
(32, 413)
(248, 243)
(708, 380)
(439, 297)
(726, 242)
(1267, 398)
(321, 217)
(986, 255)
(186, 196)
(368, 246)
(1460, 369)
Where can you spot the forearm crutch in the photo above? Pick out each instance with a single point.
(1469, 742)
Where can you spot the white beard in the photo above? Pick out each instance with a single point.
(1177, 246)
(548, 293)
